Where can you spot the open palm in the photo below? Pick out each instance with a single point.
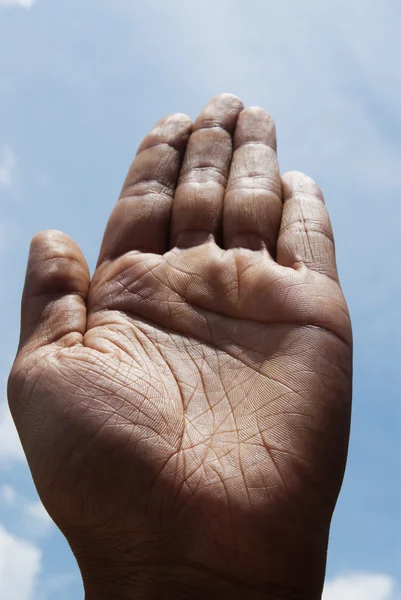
(190, 404)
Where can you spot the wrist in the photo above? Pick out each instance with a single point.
(114, 567)
(176, 582)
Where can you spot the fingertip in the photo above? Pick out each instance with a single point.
(298, 182)
(55, 292)
(55, 265)
(228, 98)
(257, 112)
(51, 240)
(173, 129)
(306, 236)
(221, 111)
(255, 125)
(177, 121)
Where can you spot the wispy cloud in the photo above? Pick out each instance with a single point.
(20, 556)
(22, 3)
(8, 495)
(8, 162)
(20, 565)
(33, 518)
(361, 586)
(38, 521)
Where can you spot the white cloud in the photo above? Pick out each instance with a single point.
(8, 495)
(23, 3)
(34, 518)
(37, 511)
(38, 520)
(8, 163)
(361, 586)
(20, 564)
(10, 447)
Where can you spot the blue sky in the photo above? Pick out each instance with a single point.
(82, 82)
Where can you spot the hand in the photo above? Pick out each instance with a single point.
(185, 413)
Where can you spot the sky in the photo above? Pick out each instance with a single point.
(80, 85)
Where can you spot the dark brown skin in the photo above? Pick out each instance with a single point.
(185, 413)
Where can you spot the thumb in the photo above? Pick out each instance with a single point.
(54, 297)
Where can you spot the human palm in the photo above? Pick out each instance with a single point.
(187, 410)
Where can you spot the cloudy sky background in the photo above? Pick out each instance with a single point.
(82, 82)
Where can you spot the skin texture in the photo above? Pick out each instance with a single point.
(185, 412)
